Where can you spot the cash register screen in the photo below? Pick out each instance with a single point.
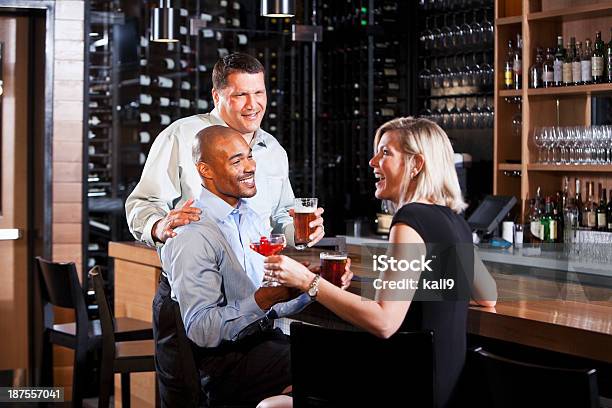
(490, 213)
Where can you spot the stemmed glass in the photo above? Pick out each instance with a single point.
(538, 141)
(268, 246)
(487, 72)
(466, 32)
(457, 33)
(487, 29)
(476, 30)
(426, 37)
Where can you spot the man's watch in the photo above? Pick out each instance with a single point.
(313, 289)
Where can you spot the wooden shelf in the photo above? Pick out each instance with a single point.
(589, 168)
(510, 92)
(569, 90)
(573, 13)
(508, 20)
(509, 167)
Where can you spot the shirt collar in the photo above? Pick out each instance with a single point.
(217, 208)
(260, 134)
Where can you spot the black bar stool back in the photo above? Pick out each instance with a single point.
(509, 383)
(340, 368)
(60, 287)
(131, 356)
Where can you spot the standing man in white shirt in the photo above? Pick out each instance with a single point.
(169, 183)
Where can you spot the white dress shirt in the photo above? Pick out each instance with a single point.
(170, 178)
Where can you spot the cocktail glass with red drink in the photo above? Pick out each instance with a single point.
(268, 246)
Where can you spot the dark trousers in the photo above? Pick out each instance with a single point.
(241, 372)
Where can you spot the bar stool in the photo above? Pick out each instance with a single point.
(506, 383)
(124, 357)
(341, 368)
(59, 286)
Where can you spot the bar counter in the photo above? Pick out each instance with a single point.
(537, 314)
(579, 327)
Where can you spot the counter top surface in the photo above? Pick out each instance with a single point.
(532, 311)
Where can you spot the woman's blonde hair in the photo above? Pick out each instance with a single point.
(437, 181)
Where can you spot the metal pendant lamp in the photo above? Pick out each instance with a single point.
(278, 8)
(164, 22)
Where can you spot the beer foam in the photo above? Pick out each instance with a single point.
(333, 257)
(305, 210)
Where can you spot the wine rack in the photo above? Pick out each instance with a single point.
(364, 82)
(455, 84)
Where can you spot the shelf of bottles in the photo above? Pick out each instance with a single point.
(578, 216)
(572, 64)
(363, 84)
(456, 68)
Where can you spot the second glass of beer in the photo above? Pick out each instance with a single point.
(333, 265)
(304, 214)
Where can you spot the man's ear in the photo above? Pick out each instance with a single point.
(215, 95)
(205, 170)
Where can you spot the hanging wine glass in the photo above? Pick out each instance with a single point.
(424, 77)
(476, 35)
(466, 32)
(487, 29)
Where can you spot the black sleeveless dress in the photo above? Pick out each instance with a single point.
(442, 229)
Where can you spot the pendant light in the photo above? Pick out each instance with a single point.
(278, 8)
(163, 22)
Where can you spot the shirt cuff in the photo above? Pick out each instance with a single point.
(289, 232)
(147, 237)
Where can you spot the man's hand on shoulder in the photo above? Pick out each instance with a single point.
(164, 228)
(266, 297)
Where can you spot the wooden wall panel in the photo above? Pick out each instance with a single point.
(68, 96)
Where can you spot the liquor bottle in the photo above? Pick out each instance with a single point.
(585, 63)
(609, 62)
(589, 210)
(517, 65)
(536, 233)
(570, 221)
(549, 222)
(535, 71)
(597, 59)
(576, 64)
(609, 213)
(559, 205)
(578, 202)
(568, 65)
(548, 75)
(602, 221)
(508, 68)
(558, 62)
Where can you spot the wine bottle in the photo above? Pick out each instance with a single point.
(609, 213)
(558, 62)
(548, 75)
(508, 68)
(597, 59)
(602, 221)
(576, 64)
(536, 71)
(609, 66)
(517, 65)
(585, 63)
(568, 65)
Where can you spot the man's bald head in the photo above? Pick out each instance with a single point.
(225, 163)
(208, 140)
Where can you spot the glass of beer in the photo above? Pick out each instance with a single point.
(304, 214)
(332, 266)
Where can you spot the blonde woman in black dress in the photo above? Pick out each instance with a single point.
(414, 167)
